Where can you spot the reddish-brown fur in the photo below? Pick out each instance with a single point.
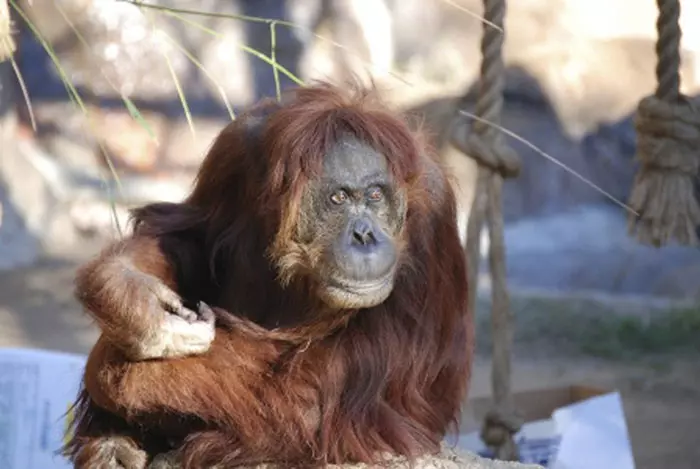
(321, 388)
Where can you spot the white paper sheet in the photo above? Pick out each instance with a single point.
(37, 389)
(594, 434)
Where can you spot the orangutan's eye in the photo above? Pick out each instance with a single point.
(339, 197)
(375, 194)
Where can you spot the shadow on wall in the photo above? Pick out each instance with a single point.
(604, 156)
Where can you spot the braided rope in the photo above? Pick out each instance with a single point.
(7, 43)
(668, 139)
(496, 161)
(668, 47)
(492, 79)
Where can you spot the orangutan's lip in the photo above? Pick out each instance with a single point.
(361, 287)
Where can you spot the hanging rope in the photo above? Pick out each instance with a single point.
(496, 161)
(7, 42)
(668, 147)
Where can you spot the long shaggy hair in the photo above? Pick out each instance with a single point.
(390, 378)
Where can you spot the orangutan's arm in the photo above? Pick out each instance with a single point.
(129, 288)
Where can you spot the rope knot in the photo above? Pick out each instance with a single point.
(668, 134)
(668, 139)
(491, 153)
(498, 430)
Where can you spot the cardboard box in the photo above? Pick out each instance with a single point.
(570, 427)
(536, 404)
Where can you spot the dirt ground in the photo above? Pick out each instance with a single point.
(661, 394)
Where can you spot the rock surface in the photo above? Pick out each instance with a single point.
(447, 459)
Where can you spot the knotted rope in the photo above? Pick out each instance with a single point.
(668, 147)
(496, 161)
(7, 42)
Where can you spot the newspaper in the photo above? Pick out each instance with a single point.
(37, 389)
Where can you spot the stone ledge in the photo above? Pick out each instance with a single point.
(448, 458)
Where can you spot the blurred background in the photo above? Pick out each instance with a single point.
(108, 104)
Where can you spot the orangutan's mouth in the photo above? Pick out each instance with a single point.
(360, 287)
(353, 294)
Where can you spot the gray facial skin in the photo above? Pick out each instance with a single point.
(357, 215)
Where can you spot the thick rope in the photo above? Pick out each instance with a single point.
(668, 147)
(496, 161)
(7, 42)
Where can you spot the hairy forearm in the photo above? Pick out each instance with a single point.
(191, 385)
(114, 289)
